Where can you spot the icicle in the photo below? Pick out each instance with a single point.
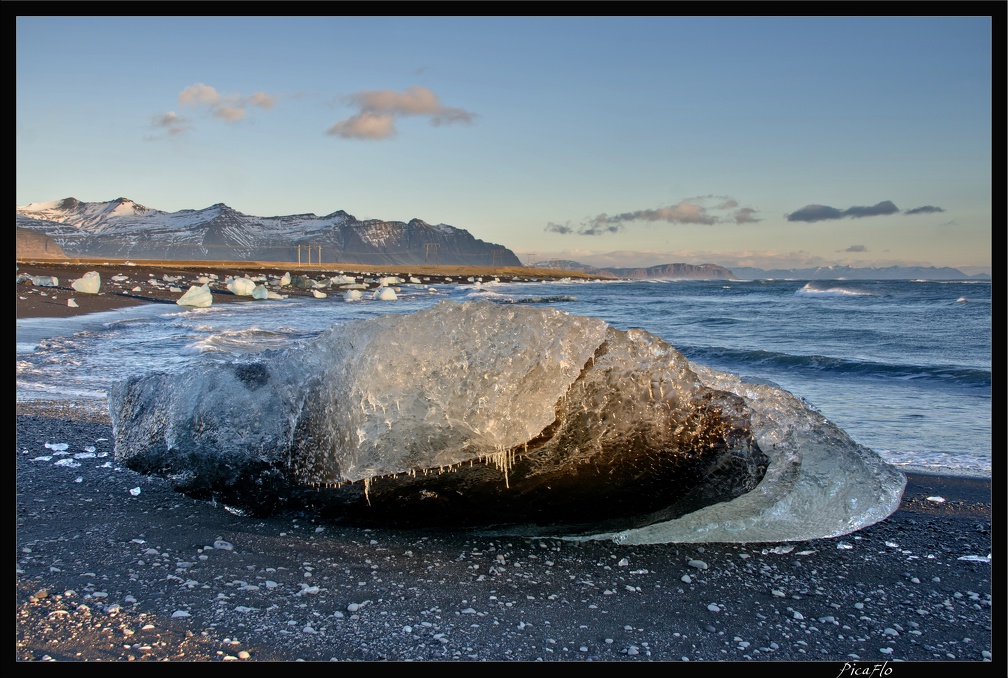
(367, 487)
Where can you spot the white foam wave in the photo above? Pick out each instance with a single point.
(813, 289)
(251, 340)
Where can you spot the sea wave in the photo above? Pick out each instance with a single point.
(500, 298)
(823, 290)
(251, 340)
(843, 367)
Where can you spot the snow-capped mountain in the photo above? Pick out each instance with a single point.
(124, 229)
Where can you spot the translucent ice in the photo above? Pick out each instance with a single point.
(523, 418)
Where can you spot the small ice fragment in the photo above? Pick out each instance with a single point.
(135, 491)
(976, 559)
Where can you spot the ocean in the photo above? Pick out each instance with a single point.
(904, 367)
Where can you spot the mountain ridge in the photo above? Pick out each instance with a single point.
(123, 228)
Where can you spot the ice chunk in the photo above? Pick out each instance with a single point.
(44, 280)
(242, 287)
(260, 292)
(90, 283)
(198, 296)
(385, 294)
(485, 414)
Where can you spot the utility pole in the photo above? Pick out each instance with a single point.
(428, 246)
(494, 256)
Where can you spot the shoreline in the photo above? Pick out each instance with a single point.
(105, 573)
(33, 301)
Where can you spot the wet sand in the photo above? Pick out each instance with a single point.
(116, 566)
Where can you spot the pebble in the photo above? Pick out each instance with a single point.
(698, 564)
(713, 607)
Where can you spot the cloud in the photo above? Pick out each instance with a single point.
(812, 213)
(365, 125)
(856, 248)
(229, 113)
(883, 208)
(746, 215)
(704, 210)
(171, 122)
(198, 95)
(815, 213)
(261, 100)
(380, 108)
(563, 229)
(229, 108)
(926, 209)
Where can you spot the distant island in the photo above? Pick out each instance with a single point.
(856, 273)
(716, 272)
(663, 271)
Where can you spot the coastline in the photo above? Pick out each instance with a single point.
(51, 302)
(108, 574)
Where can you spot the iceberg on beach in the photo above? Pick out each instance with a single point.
(89, 283)
(44, 280)
(197, 296)
(508, 419)
(242, 287)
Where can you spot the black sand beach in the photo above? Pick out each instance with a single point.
(116, 566)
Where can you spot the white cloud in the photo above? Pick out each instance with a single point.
(229, 108)
(365, 125)
(199, 95)
(380, 108)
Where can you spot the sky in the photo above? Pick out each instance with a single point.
(773, 142)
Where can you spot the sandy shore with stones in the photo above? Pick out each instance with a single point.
(116, 566)
(124, 285)
(113, 565)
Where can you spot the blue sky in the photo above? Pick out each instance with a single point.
(760, 141)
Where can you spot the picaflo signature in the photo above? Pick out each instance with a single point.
(864, 670)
